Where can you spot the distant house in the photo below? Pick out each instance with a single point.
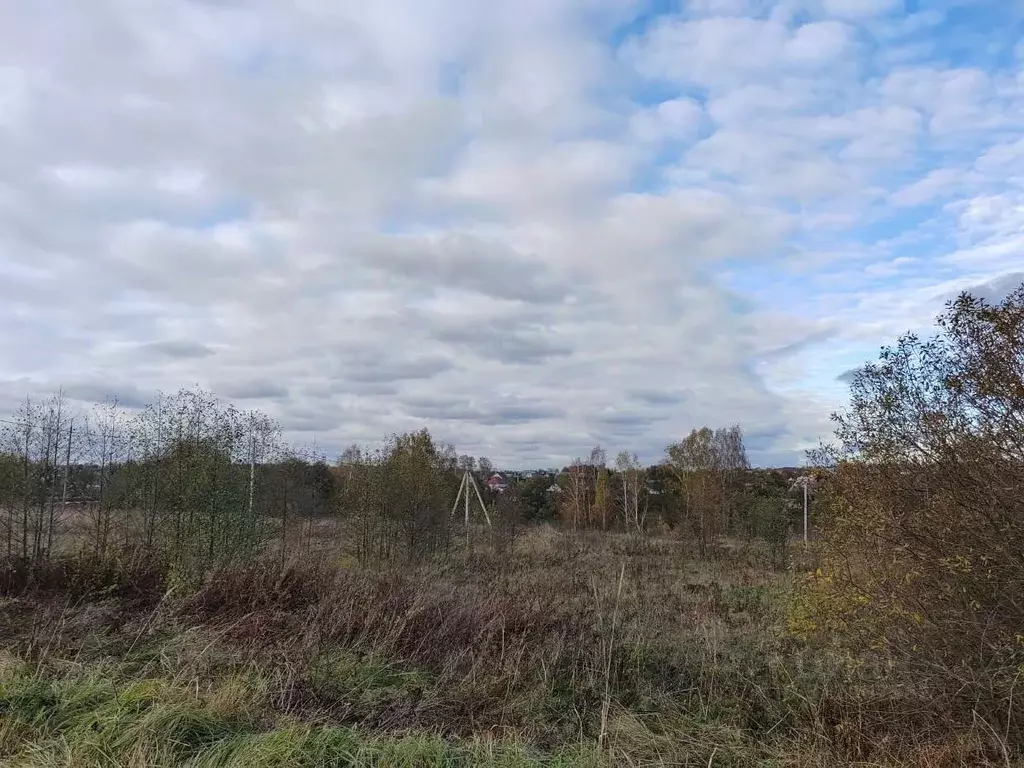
(497, 483)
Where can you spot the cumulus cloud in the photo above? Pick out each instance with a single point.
(530, 227)
(724, 52)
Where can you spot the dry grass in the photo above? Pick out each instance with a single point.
(576, 650)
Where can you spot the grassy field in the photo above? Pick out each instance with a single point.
(587, 650)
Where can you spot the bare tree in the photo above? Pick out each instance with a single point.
(597, 466)
(575, 499)
(633, 490)
(106, 438)
(485, 467)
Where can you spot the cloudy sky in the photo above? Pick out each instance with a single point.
(529, 225)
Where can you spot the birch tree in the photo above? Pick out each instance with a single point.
(632, 490)
(575, 497)
(707, 467)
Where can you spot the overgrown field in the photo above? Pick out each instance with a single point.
(574, 650)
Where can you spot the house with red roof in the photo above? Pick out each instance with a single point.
(497, 483)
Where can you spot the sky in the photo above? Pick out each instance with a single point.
(528, 226)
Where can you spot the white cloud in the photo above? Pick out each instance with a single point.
(539, 180)
(957, 101)
(996, 217)
(925, 190)
(672, 119)
(728, 52)
(485, 219)
(777, 166)
(1003, 161)
(818, 42)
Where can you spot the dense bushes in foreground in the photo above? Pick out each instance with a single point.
(922, 555)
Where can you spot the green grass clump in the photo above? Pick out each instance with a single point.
(364, 681)
(92, 720)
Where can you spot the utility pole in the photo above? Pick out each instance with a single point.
(252, 465)
(804, 481)
(67, 466)
(805, 510)
(468, 481)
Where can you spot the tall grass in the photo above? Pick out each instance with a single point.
(93, 719)
(573, 650)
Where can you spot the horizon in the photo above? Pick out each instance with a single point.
(530, 228)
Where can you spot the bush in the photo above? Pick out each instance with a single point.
(86, 576)
(921, 541)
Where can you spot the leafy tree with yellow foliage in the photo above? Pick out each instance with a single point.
(923, 538)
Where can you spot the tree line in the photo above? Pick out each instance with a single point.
(201, 481)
